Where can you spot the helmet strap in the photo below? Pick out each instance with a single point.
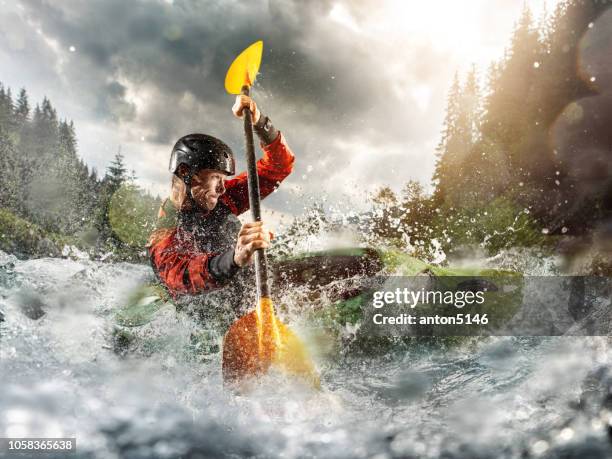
(187, 180)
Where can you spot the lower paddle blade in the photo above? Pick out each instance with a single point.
(240, 350)
(257, 341)
(292, 357)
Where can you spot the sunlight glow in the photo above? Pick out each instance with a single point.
(467, 31)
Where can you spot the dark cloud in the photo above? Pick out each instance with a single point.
(155, 70)
(188, 45)
(112, 103)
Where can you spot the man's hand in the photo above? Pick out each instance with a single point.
(245, 101)
(252, 236)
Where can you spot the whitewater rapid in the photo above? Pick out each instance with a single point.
(62, 376)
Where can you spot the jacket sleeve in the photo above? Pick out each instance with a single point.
(179, 265)
(275, 165)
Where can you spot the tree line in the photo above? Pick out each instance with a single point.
(501, 179)
(47, 184)
(504, 176)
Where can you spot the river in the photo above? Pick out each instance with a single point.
(62, 376)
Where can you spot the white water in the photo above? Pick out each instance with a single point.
(503, 397)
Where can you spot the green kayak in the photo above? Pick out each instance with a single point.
(332, 287)
(500, 304)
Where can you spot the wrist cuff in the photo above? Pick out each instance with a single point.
(222, 267)
(264, 129)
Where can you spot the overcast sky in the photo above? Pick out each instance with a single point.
(358, 88)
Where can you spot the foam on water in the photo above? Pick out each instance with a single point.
(62, 376)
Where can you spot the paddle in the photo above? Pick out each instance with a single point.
(259, 340)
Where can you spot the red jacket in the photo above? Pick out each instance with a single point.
(178, 251)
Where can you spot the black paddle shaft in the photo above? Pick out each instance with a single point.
(261, 261)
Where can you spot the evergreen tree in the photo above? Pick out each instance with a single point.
(6, 108)
(511, 154)
(383, 223)
(443, 171)
(69, 172)
(22, 109)
(116, 173)
(46, 130)
(116, 176)
(45, 181)
(460, 134)
(417, 215)
(510, 107)
(9, 171)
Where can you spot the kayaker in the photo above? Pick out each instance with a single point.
(200, 245)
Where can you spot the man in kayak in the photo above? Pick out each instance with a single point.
(200, 245)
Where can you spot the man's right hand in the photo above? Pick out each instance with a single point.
(252, 236)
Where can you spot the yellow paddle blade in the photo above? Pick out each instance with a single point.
(292, 357)
(258, 341)
(243, 70)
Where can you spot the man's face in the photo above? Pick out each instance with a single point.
(207, 186)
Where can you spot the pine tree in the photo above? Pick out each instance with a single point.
(116, 173)
(116, 176)
(6, 108)
(22, 109)
(471, 112)
(506, 104)
(460, 134)
(442, 170)
(417, 215)
(68, 171)
(39, 149)
(9, 171)
(46, 125)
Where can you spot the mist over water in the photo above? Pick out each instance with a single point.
(63, 375)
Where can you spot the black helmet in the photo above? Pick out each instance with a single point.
(201, 151)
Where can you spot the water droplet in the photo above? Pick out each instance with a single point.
(566, 434)
(596, 424)
(564, 229)
(536, 65)
(540, 447)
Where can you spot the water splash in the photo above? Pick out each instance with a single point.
(500, 397)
